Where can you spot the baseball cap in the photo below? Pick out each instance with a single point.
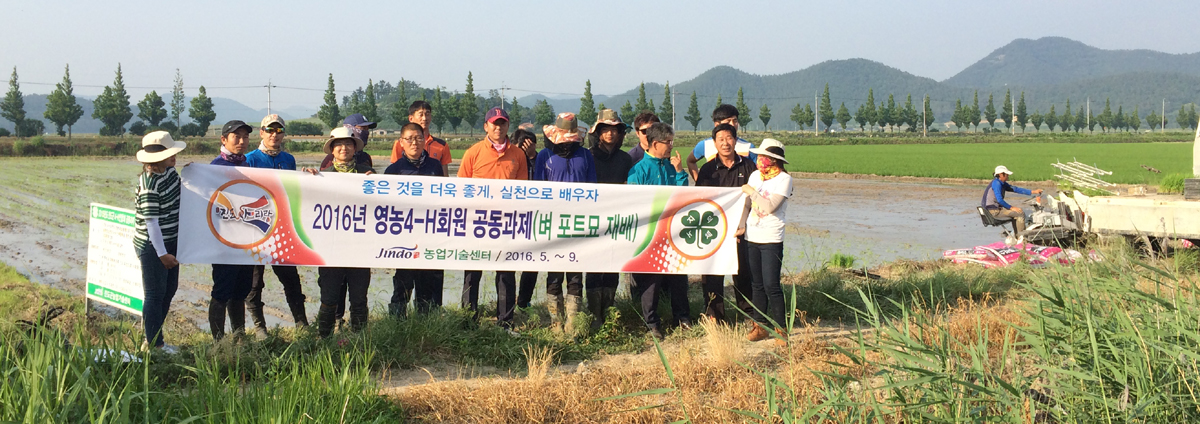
(494, 114)
(1002, 170)
(272, 119)
(233, 126)
(358, 120)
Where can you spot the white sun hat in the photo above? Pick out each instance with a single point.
(1002, 170)
(158, 146)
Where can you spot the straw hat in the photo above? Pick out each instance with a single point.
(341, 133)
(158, 146)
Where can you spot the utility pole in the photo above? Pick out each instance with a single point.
(1012, 104)
(924, 119)
(502, 88)
(1162, 124)
(269, 86)
(1089, 114)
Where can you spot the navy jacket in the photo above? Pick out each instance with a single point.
(429, 166)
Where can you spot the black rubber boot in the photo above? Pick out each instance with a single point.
(358, 317)
(237, 316)
(216, 319)
(299, 315)
(258, 319)
(325, 318)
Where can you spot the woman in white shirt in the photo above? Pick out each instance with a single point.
(767, 192)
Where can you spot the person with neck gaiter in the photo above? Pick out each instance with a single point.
(494, 157)
(361, 128)
(231, 283)
(660, 167)
(606, 137)
(270, 155)
(564, 160)
(768, 190)
(427, 283)
(156, 237)
(336, 282)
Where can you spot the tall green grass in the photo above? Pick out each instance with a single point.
(44, 379)
(1110, 342)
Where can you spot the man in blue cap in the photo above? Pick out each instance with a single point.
(361, 127)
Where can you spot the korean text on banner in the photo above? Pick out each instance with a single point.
(114, 273)
(238, 215)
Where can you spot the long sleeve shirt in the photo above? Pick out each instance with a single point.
(656, 171)
(993, 197)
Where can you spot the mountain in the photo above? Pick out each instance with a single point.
(1056, 60)
(226, 109)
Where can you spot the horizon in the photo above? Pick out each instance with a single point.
(776, 42)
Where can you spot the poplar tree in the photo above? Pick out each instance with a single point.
(587, 105)
(869, 112)
(151, 110)
(989, 113)
(627, 113)
(61, 108)
(826, 110)
(329, 113)
(843, 116)
(370, 109)
(693, 113)
(666, 111)
(743, 110)
(439, 110)
(764, 115)
(1022, 112)
(927, 114)
(1051, 119)
(177, 99)
(13, 108)
(400, 108)
(202, 112)
(975, 113)
(798, 117)
(112, 107)
(468, 107)
(1006, 110)
(641, 99)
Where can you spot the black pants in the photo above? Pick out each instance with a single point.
(600, 280)
(335, 282)
(526, 287)
(649, 286)
(231, 282)
(159, 285)
(766, 261)
(427, 283)
(714, 287)
(506, 291)
(554, 283)
(289, 278)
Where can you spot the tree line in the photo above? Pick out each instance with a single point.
(111, 107)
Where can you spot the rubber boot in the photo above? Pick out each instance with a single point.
(574, 305)
(258, 319)
(554, 304)
(398, 310)
(299, 314)
(595, 305)
(237, 317)
(216, 319)
(609, 297)
(325, 318)
(358, 317)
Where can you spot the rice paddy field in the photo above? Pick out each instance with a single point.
(1028, 161)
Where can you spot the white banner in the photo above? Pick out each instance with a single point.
(114, 273)
(238, 215)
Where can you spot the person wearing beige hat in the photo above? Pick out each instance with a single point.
(270, 155)
(606, 137)
(768, 190)
(564, 160)
(156, 222)
(336, 282)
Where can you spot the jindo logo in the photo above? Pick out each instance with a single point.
(241, 214)
(698, 229)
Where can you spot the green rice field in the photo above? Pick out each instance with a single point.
(1029, 162)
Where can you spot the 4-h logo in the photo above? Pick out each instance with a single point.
(241, 214)
(698, 229)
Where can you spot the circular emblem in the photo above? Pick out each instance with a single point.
(241, 214)
(698, 229)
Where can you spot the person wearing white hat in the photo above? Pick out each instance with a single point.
(768, 190)
(156, 221)
(993, 198)
(336, 282)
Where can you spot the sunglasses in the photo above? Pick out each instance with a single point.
(272, 130)
(642, 130)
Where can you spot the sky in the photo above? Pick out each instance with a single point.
(235, 47)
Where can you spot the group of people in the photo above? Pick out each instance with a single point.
(731, 162)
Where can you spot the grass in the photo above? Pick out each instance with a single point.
(1172, 183)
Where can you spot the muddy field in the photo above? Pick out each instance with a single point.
(43, 227)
